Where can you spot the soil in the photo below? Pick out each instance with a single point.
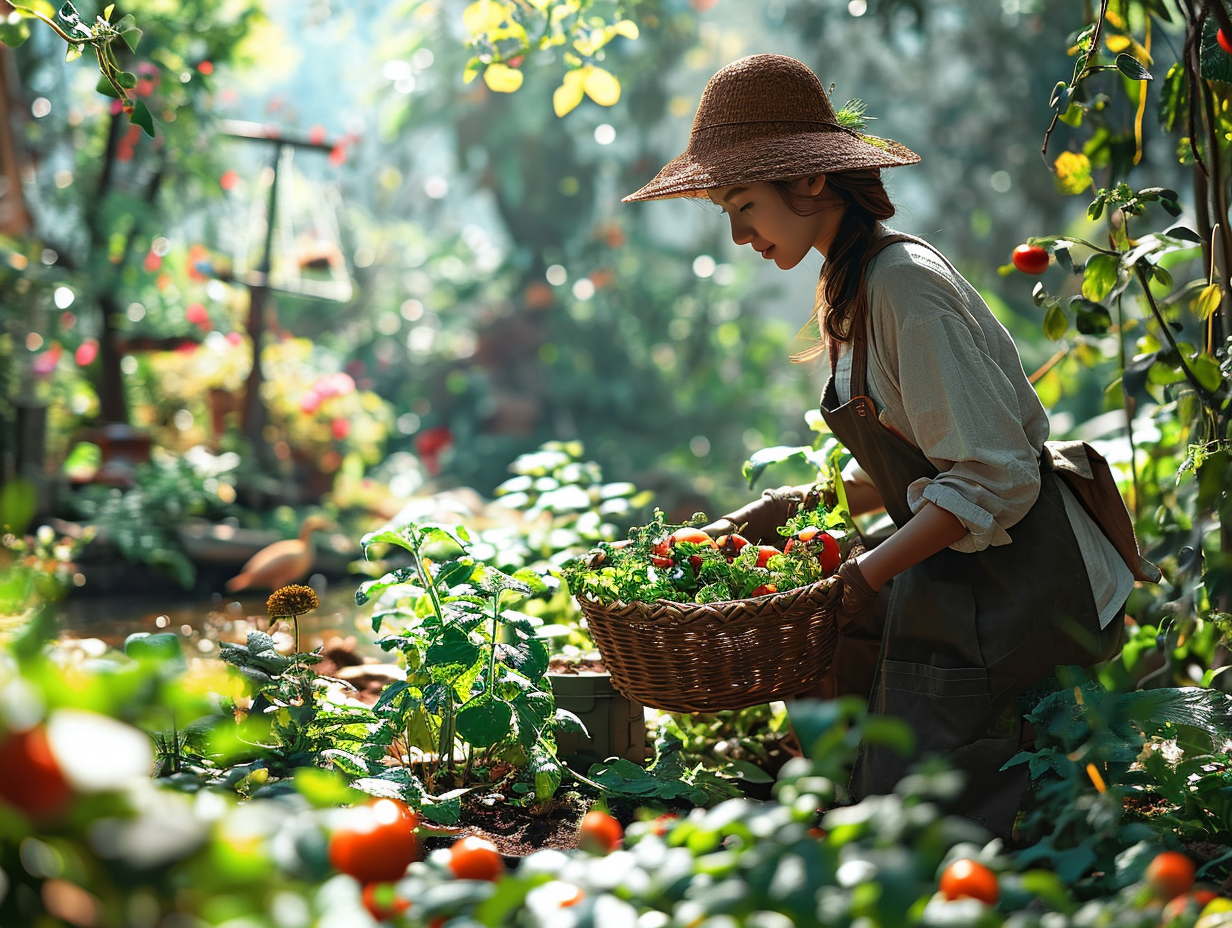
(517, 832)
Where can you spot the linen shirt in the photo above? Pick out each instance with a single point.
(945, 375)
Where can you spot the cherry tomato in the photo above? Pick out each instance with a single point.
(731, 545)
(599, 833)
(383, 902)
(375, 843)
(1197, 899)
(765, 590)
(1223, 41)
(1170, 874)
(764, 553)
(970, 879)
(1030, 259)
(692, 535)
(30, 778)
(474, 858)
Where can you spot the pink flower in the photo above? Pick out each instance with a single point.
(341, 428)
(45, 361)
(86, 352)
(235, 339)
(199, 316)
(310, 402)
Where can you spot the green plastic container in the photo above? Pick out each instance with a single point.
(617, 724)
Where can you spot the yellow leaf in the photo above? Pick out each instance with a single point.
(569, 94)
(484, 16)
(1073, 172)
(1118, 43)
(627, 28)
(1208, 301)
(601, 86)
(502, 78)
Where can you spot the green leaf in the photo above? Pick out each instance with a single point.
(73, 53)
(324, 789)
(1090, 318)
(13, 30)
(1132, 68)
(18, 503)
(1055, 323)
(140, 116)
(1099, 276)
(452, 653)
(1214, 63)
(106, 88)
(126, 79)
(484, 721)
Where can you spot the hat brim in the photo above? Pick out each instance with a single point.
(799, 155)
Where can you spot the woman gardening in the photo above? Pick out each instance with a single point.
(999, 573)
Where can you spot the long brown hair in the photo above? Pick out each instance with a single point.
(838, 303)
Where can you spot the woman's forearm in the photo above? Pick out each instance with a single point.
(930, 530)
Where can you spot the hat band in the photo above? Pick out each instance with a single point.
(754, 122)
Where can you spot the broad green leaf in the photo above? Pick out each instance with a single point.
(452, 650)
(1206, 369)
(546, 773)
(1099, 277)
(1055, 323)
(106, 88)
(1090, 318)
(142, 117)
(601, 86)
(1207, 301)
(501, 78)
(13, 30)
(569, 94)
(18, 503)
(1073, 172)
(484, 721)
(126, 79)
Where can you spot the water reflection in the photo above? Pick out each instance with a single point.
(207, 622)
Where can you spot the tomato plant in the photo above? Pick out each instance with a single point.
(970, 879)
(1170, 874)
(1030, 259)
(375, 843)
(30, 778)
(599, 832)
(474, 858)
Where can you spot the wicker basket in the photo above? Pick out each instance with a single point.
(692, 657)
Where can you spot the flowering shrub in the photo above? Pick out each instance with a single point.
(318, 409)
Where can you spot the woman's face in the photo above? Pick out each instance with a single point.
(761, 217)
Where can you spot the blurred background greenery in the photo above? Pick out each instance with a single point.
(442, 277)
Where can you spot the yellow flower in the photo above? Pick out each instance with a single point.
(292, 600)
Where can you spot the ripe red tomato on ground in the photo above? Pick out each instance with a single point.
(1195, 901)
(1030, 259)
(1223, 41)
(474, 858)
(1170, 874)
(970, 879)
(30, 778)
(599, 833)
(376, 843)
(383, 902)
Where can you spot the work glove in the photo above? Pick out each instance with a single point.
(858, 596)
(759, 520)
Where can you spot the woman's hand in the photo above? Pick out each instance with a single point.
(858, 596)
(759, 521)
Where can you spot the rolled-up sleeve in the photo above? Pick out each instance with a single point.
(965, 417)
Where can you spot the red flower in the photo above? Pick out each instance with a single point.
(341, 428)
(86, 352)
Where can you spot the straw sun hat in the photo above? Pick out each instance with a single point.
(763, 118)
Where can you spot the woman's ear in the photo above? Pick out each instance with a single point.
(814, 184)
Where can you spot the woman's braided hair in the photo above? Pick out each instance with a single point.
(839, 302)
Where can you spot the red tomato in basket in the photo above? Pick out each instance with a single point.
(731, 545)
(764, 553)
(661, 554)
(765, 590)
(828, 551)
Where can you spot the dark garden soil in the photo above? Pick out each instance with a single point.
(517, 832)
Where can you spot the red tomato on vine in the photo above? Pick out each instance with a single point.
(1030, 259)
(383, 902)
(970, 879)
(376, 843)
(599, 832)
(1169, 874)
(474, 858)
(30, 777)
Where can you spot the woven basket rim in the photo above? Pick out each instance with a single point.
(766, 599)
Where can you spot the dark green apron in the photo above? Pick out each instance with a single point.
(967, 636)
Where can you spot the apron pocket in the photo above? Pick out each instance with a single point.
(934, 682)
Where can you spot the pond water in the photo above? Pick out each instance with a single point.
(205, 622)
